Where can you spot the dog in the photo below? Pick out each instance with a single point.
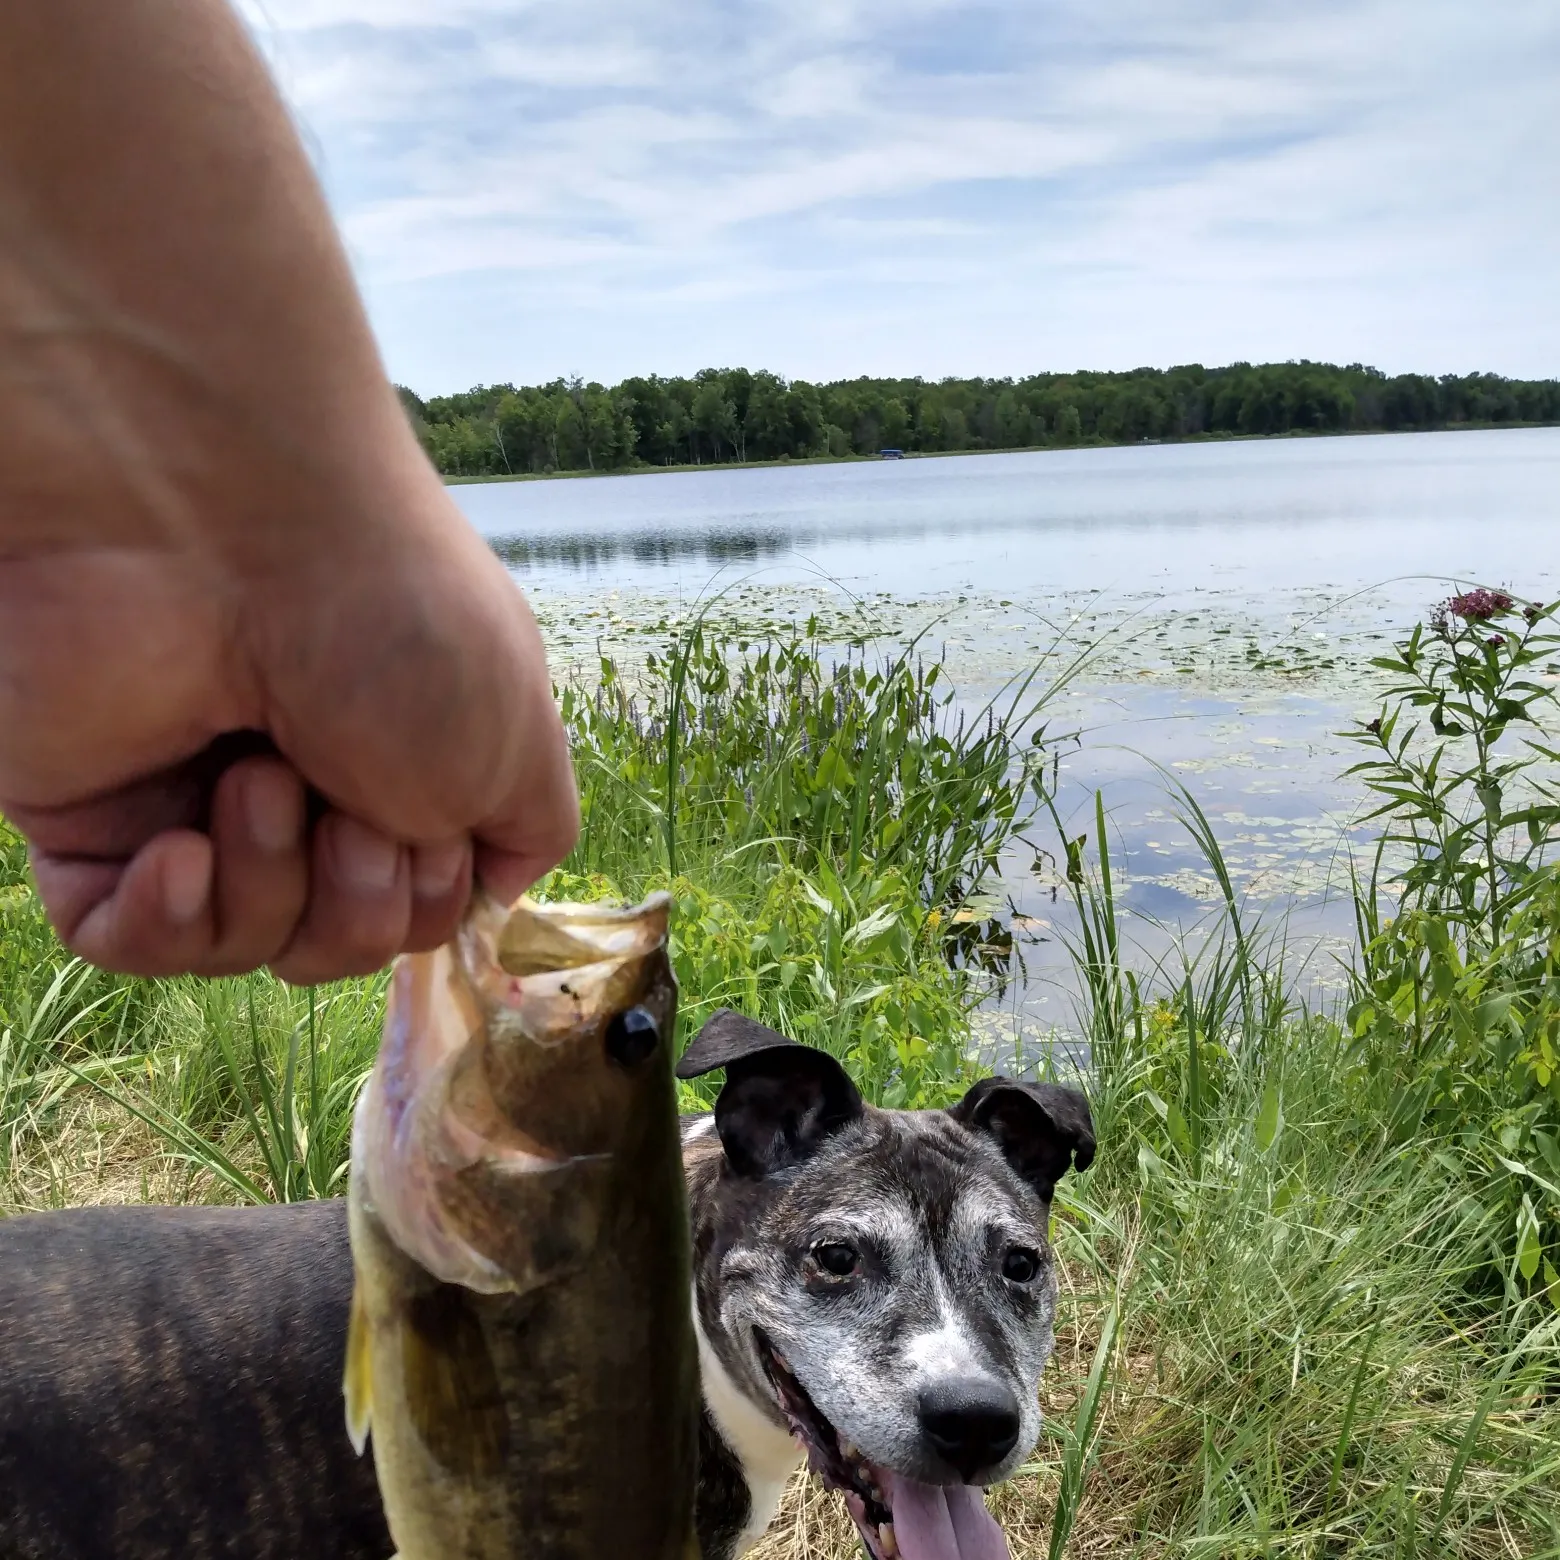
(873, 1286)
(872, 1290)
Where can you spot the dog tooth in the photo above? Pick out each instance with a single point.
(887, 1540)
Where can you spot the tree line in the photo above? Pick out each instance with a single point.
(736, 414)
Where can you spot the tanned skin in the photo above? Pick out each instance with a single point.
(265, 697)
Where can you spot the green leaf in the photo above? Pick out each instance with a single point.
(1516, 1167)
(874, 926)
(1079, 1445)
(1442, 978)
(1492, 1011)
(1075, 858)
(1488, 792)
(1270, 1119)
(1529, 1248)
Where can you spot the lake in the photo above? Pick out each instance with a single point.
(1236, 592)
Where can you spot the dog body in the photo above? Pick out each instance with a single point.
(170, 1385)
(170, 1379)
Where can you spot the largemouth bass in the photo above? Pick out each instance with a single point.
(521, 1346)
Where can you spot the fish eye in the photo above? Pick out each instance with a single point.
(1020, 1265)
(836, 1258)
(632, 1036)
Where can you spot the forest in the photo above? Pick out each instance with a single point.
(724, 415)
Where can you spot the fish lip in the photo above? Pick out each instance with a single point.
(859, 1481)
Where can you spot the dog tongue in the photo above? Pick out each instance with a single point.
(943, 1522)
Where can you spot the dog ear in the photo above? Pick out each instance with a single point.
(1042, 1129)
(780, 1100)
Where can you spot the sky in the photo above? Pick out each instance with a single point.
(826, 188)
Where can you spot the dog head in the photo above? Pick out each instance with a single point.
(882, 1278)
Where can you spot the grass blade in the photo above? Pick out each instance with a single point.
(1077, 1453)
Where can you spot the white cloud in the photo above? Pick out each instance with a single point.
(833, 187)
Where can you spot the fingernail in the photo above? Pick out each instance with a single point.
(273, 808)
(435, 869)
(186, 884)
(365, 859)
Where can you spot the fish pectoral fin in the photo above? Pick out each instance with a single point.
(453, 1395)
(357, 1383)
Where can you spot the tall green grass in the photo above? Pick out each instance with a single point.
(819, 822)
(1287, 1333)
(720, 761)
(1309, 1305)
(1323, 1242)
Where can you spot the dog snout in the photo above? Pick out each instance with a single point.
(970, 1421)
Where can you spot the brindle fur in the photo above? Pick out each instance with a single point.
(794, 1158)
(170, 1387)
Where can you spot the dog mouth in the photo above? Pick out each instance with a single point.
(899, 1518)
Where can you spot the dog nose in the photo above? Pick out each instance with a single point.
(971, 1421)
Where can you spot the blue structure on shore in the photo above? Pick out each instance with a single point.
(892, 454)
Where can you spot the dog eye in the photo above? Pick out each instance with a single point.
(1020, 1265)
(836, 1258)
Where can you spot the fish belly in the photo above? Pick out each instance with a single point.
(558, 1424)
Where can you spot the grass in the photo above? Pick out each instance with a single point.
(1308, 1304)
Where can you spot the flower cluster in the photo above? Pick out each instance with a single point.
(1479, 606)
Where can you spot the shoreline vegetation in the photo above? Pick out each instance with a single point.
(1309, 1290)
(739, 417)
(782, 462)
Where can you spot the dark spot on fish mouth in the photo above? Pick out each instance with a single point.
(632, 1036)
(831, 1457)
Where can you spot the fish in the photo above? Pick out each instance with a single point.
(521, 1346)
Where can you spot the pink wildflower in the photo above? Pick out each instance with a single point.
(1479, 606)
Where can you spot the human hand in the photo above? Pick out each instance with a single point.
(229, 581)
(404, 683)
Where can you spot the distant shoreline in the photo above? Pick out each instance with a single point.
(647, 468)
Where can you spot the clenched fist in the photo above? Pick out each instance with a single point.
(265, 697)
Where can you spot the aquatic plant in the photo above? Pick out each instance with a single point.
(804, 756)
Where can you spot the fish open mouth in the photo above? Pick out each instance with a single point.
(899, 1518)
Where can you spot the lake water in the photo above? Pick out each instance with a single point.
(1237, 591)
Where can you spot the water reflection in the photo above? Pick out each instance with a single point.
(1257, 515)
(586, 553)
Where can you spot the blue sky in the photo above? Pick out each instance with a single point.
(833, 187)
